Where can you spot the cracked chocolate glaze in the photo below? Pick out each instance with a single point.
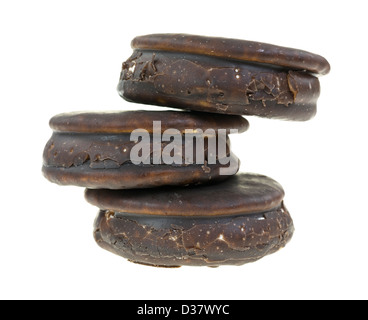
(94, 158)
(130, 176)
(103, 151)
(211, 84)
(193, 241)
(103, 161)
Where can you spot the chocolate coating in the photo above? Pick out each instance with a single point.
(208, 84)
(233, 222)
(212, 242)
(83, 152)
(241, 193)
(235, 49)
(114, 122)
(203, 74)
(130, 176)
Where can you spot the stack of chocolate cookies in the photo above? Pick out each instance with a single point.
(167, 182)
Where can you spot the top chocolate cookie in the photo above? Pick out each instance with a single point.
(223, 76)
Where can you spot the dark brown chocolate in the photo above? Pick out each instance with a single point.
(235, 49)
(242, 193)
(204, 74)
(175, 242)
(125, 122)
(83, 152)
(130, 176)
(198, 234)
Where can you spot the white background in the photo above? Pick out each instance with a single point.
(60, 56)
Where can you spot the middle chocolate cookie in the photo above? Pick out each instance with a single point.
(140, 149)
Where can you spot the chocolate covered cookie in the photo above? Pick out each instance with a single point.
(223, 76)
(140, 149)
(233, 222)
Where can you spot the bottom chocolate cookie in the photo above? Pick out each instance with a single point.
(234, 222)
(176, 241)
